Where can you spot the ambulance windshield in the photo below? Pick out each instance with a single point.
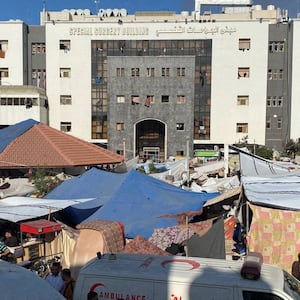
(291, 286)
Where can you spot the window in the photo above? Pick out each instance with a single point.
(120, 99)
(244, 44)
(180, 99)
(65, 72)
(243, 72)
(274, 101)
(65, 99)
(165, 98)
(275, 74)
(120, 72)
(242, 127)
(3, 48)
(150, 72)
(270, 74)
(180, 72)
(252, 295)
(179, 126)
(38, 48)
(135, 99)
(279, 123)
(150, 99)
(135, 72)
(243, 100)
(120, 126)
(3, 73)
(276, 46)
(65, 45)
(179, 153)
(165, 72)
(268, 123)
(65, 126)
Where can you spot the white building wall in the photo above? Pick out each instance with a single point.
(295, 93)
(78, 85)
(12, 31)
(226, 58)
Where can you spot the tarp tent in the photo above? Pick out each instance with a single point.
(281, 191)
(141, 201)
(17, 209)
(252, 165)
(93, 183)
(19, 283)
(273, 191)
(134, 199)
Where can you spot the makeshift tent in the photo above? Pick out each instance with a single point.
(96, 236)
(134, 199)
(94, 183)
(141, 201)
(280, 191)
(272, 220)
(19, 283)
(17, 209)
(252, 165)
(277, 238)
(210, 245)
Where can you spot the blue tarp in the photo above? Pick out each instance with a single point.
(135, 199)
(10, 133)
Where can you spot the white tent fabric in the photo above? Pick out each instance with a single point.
(17, 209)
(19, 283)
(17, 187)
(251, 165)
(281, 191)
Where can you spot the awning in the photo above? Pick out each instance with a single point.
(17, 209)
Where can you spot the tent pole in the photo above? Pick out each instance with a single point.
(187, 233)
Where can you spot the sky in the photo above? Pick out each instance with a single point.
(29, 10)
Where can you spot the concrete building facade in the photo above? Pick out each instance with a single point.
(163, 84)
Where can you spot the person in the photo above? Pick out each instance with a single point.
(92, 296)
(54, 278)
(10, 240)
(296, 268)
(4, 251)
(69, 284)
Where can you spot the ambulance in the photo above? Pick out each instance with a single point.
(150, 277)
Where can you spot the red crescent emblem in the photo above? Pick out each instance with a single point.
(94, 286)
(194, 264)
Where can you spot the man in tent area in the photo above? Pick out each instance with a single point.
(54, 278)
(4, 251)
(10, 240)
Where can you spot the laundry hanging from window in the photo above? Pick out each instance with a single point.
(148, 102)
(135, 100)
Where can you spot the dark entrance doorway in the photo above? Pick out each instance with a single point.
(150, 140)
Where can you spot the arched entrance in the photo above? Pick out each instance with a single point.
(150, 140)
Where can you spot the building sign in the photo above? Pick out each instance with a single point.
(137, 31)
(104, 31)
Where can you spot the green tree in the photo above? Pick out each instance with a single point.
(264, 152)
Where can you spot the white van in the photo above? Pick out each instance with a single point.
(150, 277)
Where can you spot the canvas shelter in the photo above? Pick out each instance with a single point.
(30, 144)
(15, 209)
(134, 199)
(271, 208)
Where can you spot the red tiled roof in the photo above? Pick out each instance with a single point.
(44, 146)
